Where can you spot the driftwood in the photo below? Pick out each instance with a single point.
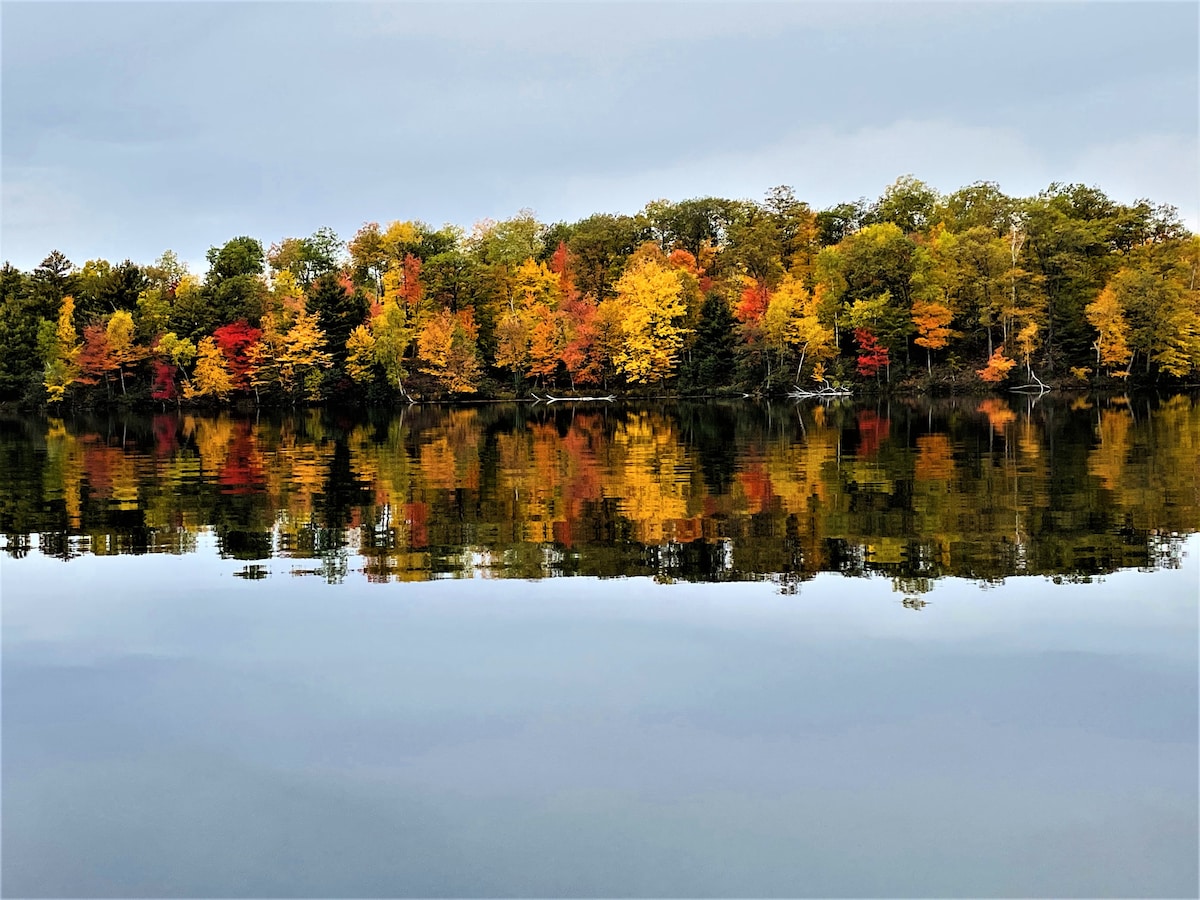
(827, 391)
(549, 398)
(1037, 385)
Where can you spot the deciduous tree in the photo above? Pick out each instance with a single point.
(872, 355)
(211, 376)
(447, 350)
(650, 300)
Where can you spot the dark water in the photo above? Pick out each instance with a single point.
(886, 650)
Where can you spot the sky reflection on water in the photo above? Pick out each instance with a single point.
(173, 730)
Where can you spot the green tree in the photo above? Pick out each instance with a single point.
(339, 310)
(20, 360)
(712, 356)
(307, 258)
(908, 203)
(234, 287)
(53, 279)
(599, 247)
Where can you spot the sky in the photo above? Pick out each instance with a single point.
(129, 129)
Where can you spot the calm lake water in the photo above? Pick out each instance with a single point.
(903, 649)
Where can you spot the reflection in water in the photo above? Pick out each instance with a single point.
(703, 492)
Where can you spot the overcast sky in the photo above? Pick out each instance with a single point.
(133, 128)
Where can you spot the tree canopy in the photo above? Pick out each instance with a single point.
(914, 288)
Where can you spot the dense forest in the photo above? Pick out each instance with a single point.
(915, 291)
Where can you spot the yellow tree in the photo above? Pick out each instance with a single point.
(171, 353)
(60, 347)
(650, 299)
(547, 341)
(154, 311)
(512, 343)
(447, 350)
(211, 376)
(609, 337)
(534, 285)
(1158, 296)
(1028, 341)
(401, 239)
(180, 351)
(792, 321)
(303, 356)
(287, 294)
(360, 354)
(1180, 353)
(290, 355)
(393, 333)
(1112, 330)
(533, 331)
(125, 352)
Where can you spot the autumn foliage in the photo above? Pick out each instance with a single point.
(872, 355)
(694, 296)
(998, 367)
(235, 341)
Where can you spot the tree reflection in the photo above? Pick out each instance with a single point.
(914, 491)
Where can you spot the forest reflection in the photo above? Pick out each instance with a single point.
(914, 491)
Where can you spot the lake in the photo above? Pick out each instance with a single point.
(903, 648)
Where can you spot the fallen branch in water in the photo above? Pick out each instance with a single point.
(828, 391)
(549, 398)
(1036, 385)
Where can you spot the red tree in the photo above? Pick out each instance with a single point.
(411, 289)
(162, 383)
(561, 265)
(580, 354)
(95, 358)
(874, 355)
(235, 341)
(754, 303)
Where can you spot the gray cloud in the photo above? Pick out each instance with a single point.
(131, 127)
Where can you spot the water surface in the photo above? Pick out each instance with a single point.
(722, 650)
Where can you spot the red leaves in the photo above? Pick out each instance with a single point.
(410, 288)
(235, 341)
(581, 355)
(874, 355)
(242, 472)
(162, 382)
(753, 305)
(872, 431)
(95, 356)
(561, 265)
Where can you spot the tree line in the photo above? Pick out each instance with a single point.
(915, 290)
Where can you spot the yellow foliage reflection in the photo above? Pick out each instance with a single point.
(983, 489)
